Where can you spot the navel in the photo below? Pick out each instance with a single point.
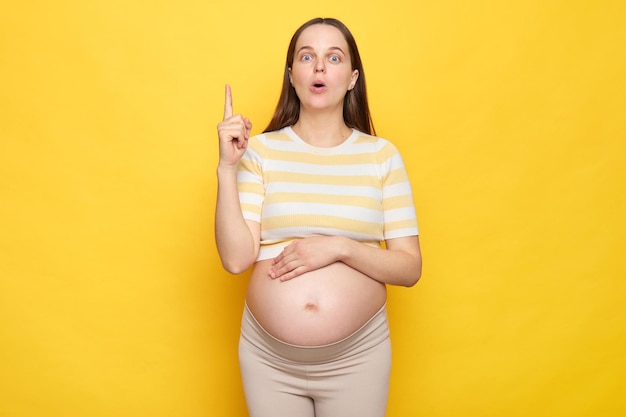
(311, 306)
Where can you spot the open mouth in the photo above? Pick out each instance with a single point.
(318, 87)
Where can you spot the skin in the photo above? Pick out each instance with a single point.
(298, 295)
(321, 56)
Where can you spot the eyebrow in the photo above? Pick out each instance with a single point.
(332, 48)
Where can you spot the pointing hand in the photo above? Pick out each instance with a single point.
(233, 133)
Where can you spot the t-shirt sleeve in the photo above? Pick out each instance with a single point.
(399, 215)
(250, 184)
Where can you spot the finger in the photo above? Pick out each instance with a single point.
(228, 103)
(242, 144)
(248, 126)
(278, 258)
(291, 275)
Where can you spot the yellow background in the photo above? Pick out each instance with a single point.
(510, 116)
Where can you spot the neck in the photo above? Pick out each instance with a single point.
(322, 130)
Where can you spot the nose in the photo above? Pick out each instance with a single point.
(320, 66)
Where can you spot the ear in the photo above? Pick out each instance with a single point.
(290, 79)
(353, 79)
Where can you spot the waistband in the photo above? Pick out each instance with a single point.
(370, 335)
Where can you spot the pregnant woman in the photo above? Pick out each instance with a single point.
(323, 212)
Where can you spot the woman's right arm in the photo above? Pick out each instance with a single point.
(237, 239)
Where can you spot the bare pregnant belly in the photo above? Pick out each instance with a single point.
(317, 308)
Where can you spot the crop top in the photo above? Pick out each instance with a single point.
(358, 189)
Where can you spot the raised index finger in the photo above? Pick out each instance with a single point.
(228, 103)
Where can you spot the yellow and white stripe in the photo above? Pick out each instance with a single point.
(358, 189)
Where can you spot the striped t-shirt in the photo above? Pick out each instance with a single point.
(358, 189)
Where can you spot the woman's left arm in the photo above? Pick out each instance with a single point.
(399, 264)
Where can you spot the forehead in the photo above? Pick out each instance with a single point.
(322, 36)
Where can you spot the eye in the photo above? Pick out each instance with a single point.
(335, 59)
(306, 57)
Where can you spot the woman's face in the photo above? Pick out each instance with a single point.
(322, 68)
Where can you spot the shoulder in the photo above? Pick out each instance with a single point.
(383, 147)
(281, 135)
(268, 140)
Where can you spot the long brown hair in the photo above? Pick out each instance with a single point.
(356, 112)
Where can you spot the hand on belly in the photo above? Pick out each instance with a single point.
(316, 308)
